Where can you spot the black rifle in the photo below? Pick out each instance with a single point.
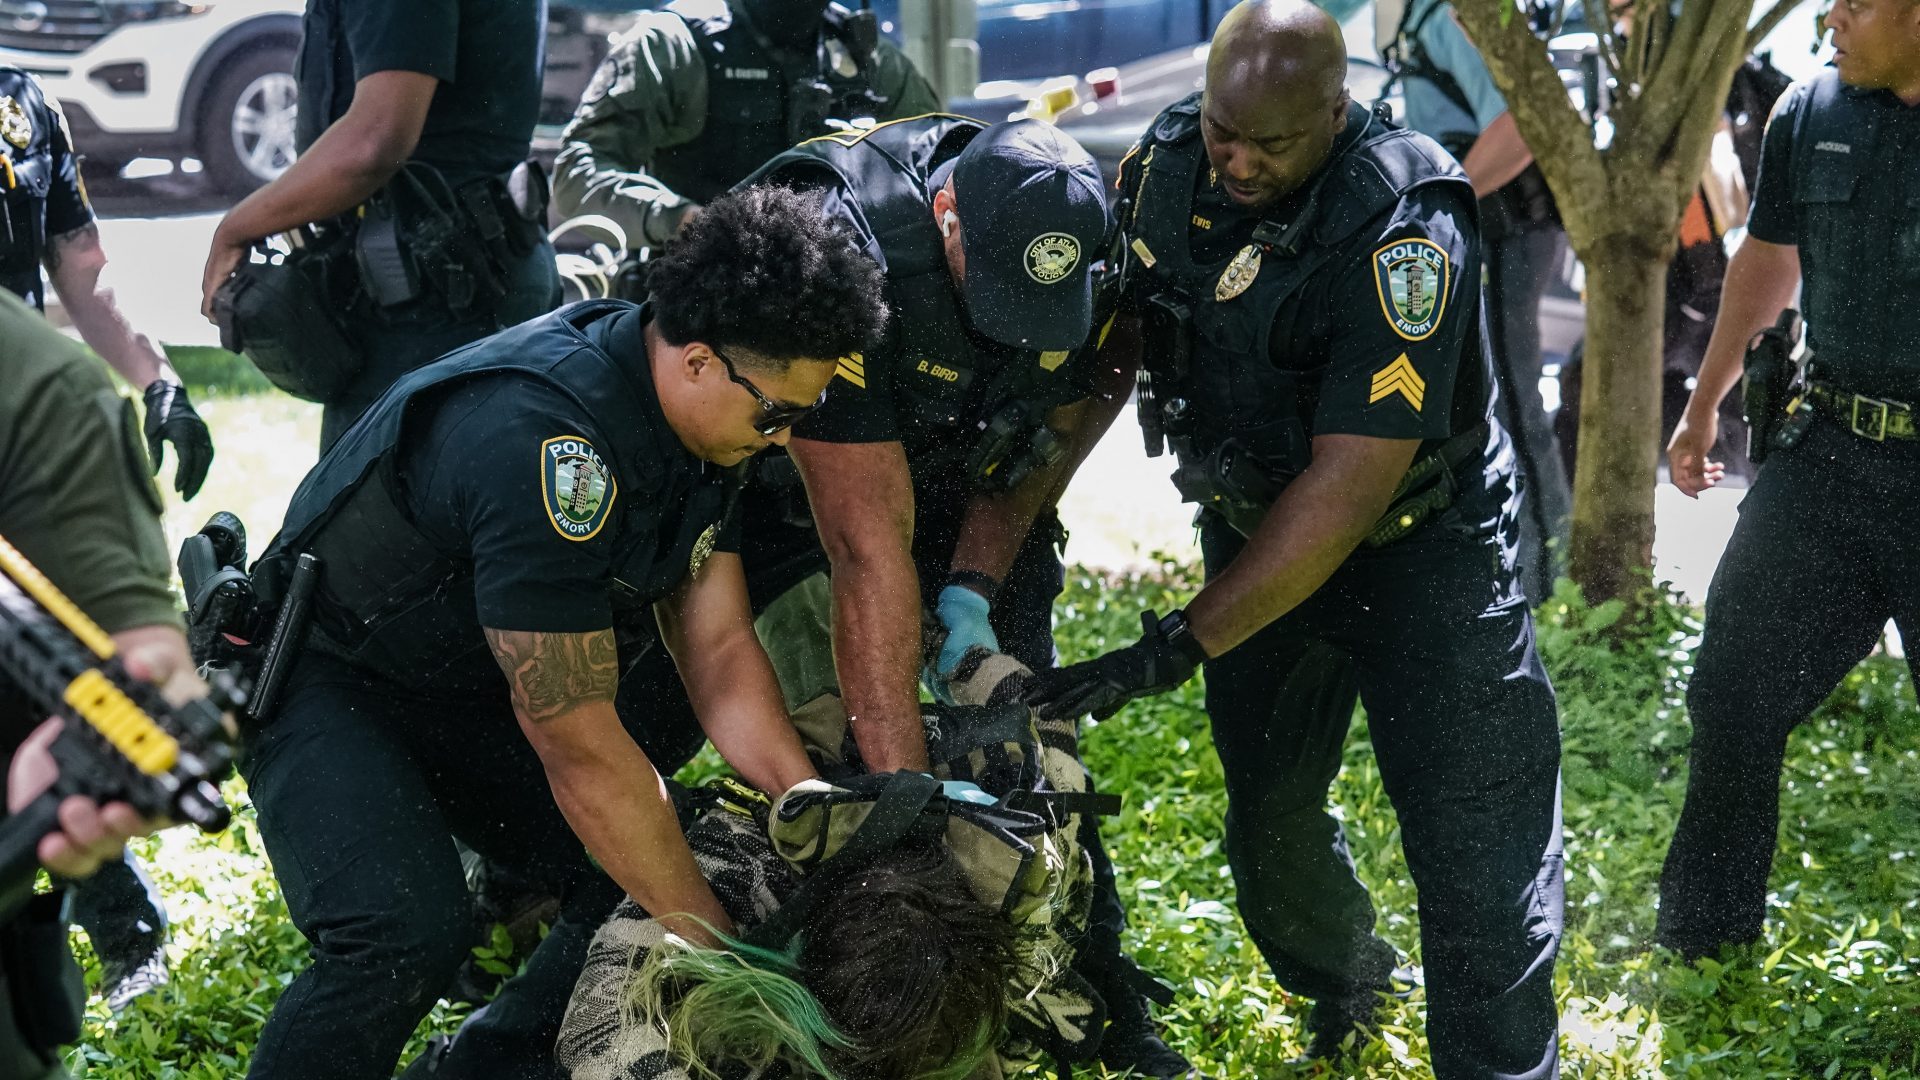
(120, 740)
(1767, 384)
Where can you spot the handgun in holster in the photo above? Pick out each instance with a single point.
(250, 629)
(1767, 388)
(220, 599)
(1167, 323)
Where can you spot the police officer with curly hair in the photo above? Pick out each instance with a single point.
(1825, 551)
(1307, 285)
(498, 534)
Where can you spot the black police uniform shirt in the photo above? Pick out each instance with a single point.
(1363, 375)
(545, 525)
(486, 54)
(886, 396)
(1840, 179)
(40, 187)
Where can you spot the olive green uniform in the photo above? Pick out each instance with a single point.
(655, 97)
(80, 504)
(80, 501)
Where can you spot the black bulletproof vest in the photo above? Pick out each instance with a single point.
(947, 379)
(762, 100)
(1856, 198)
(25, 179)
(390, 599)
(1231, 388)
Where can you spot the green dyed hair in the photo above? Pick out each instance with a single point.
(742, 1004)
(898, 973)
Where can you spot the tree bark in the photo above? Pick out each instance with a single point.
(1622, 208)
(1612, 545)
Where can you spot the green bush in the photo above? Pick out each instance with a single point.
(1828, 993)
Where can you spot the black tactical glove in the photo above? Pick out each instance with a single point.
(171, 419)
(1165, 656)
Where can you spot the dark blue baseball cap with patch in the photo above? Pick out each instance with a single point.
(1032, 217)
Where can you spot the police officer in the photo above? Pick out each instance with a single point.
(437, 98)
(505, 511)
(1450, 96)
(1822, 556)
(46, 221)
(934, 467)
(1307, 278)
(88, 517)
(701, 93)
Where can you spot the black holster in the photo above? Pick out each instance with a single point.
(1167, 342)
(1766, 386)
(1014, 444)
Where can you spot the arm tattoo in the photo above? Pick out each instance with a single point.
(552, 673)
(57, 246)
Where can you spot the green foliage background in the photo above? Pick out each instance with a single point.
(1830, 992)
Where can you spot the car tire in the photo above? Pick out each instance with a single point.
(246, 123)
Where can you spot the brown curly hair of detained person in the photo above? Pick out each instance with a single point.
(908, 965)
(764, 271)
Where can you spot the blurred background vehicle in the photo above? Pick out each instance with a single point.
(166, 79)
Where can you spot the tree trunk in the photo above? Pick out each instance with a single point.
(1612, 546)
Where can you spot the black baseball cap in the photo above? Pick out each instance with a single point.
(1032, 217)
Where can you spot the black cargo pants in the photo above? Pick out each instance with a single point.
(1824, 554)
(362, 786)
(1430, 634)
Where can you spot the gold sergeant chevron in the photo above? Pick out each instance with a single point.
(1399, 378)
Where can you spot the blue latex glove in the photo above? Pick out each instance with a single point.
(964, 613)
(966, 791)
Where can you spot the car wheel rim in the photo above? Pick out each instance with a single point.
(263, 125)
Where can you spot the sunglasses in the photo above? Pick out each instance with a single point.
(775, 416)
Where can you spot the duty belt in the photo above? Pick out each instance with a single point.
(1873, 418)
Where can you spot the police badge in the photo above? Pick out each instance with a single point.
(15, 126)
(1239, 274)
(702, 550)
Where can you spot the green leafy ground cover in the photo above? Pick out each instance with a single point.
(1829, 993)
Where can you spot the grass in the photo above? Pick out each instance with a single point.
(1828, 993)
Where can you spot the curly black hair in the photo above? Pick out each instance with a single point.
(763, 270)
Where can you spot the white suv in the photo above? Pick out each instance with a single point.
(208, 79)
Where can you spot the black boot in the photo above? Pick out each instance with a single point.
(1337, 1026)
(1132, 1043)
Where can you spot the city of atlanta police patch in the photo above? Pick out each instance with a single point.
(576, 486)
(1411, 276)
(1051, 257)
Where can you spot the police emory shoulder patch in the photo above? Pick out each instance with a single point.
(576, 486)
(1411, 276)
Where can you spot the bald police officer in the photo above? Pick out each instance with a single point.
(1307, 282)
(1837, 212)
(47, 221)
(699, 94)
